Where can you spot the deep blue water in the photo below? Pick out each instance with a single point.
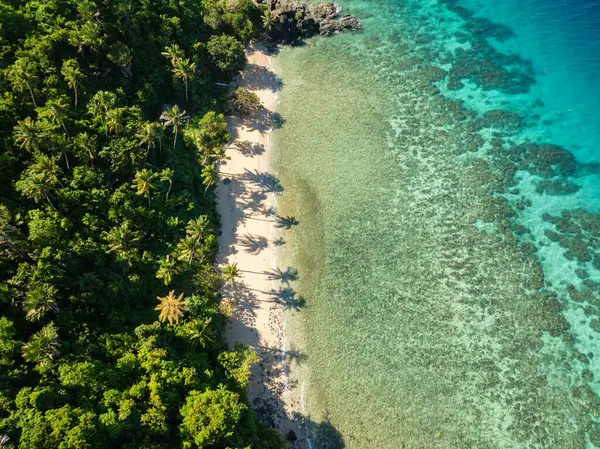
(562, 39)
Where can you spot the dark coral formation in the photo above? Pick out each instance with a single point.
(557, 187)
(482, 64)
(543, 160)
(578, 232)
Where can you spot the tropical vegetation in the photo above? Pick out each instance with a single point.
(111, 132)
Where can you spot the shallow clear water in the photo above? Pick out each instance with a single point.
(442, 166)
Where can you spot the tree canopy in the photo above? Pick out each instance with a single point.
(103, 209)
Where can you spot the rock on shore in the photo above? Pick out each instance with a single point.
(293, 22)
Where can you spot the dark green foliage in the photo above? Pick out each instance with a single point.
(244, 102)
(226, 53)
(102, 210)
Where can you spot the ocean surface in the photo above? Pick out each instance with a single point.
(442, 167)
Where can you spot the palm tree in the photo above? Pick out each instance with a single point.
(114, 120)
(40, 300)
(62, 143)
(268, 18)
(199, 332)
(167, 269)
(143, 183)
(10, 235)
(85, 142)
(42, 347)
(230, 272)
(167, 175)
(175, 119)
(220, 155)
(21, 74)
(173, 52)
(197, 228)
(188, 247)
(184, 69)
(121, 240)
(171, 307)
(99, 106)
(72, 75)
(47, 167)
(210, 176)
(35, 186)
(27, 135)
(147, 135)
(56, 112)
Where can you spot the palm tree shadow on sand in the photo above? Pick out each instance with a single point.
(253, 244)
(249, 149)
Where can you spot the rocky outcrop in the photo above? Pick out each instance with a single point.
(293, 22)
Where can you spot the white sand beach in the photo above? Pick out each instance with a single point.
(246, 204)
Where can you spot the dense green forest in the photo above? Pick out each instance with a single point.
(110, 132)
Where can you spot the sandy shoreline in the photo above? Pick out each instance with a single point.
(246, 204)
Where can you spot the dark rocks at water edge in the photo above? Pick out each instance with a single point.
(293, 22)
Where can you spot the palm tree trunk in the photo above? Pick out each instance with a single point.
(75, 89)
(66, 160)
(48, 198)
(149, 203)
(206, 190)
(168, 191)
(22, 254)
(31, 92)
(175, 139)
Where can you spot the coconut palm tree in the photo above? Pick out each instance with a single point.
(40, 300)
(121, 240)
(143, 183)
(55, 110)
(86, 143)
(147, 135)
(47, 167)
(174, 117)
(10, 236)
(167, 269)
(167, 175)
(188, 248)
(114, 121)
(42, 347)
(268, 19)
(72, 75)
(100, 104)
(184, 69)
(199, 332)
(35, 186)
(27, 135)
(230, 272)
(62, 143)
(197, 228)
(210, 176)
(173, 52)
(22, 74)
(171, 307)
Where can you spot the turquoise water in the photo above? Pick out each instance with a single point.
(443, 169)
